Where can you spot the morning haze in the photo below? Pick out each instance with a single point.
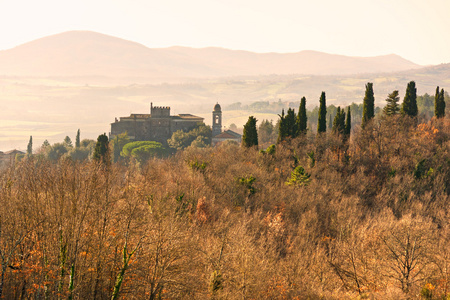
(83, 79)
(211, 149)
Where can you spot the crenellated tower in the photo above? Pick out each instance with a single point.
(159, 111)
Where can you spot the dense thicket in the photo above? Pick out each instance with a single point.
(301, 221)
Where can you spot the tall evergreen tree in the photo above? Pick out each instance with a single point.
(290, 123)
(301, 117)
(409, 105)
(77, 140)
(322, 122)
(442, 101)
(348, 123)
(250, 136)
(439, 104)
(282, 130)
(101, 151)
(339, 121)
(30, 146)
(392, 107)
(368, 104)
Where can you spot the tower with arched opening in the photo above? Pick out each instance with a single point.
(217, 120)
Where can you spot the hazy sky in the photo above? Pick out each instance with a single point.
(417, 30)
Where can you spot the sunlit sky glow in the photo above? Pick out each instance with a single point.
(417, 30)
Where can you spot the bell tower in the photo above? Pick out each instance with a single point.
(217, 120)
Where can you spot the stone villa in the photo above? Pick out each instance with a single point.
(159, 125)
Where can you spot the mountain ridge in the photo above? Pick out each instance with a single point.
(87, 53)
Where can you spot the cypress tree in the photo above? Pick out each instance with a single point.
(30, 146)
(392, 107)
(101, 149)
(282, 132)
(322, 122)
(77, 140)
(348, 123)
(339, 121)
(250, 136)
(368, 104)
(290, 123)
(409, 105)
(336, 119)
(439, 104)
(302, 118)
(442, 101)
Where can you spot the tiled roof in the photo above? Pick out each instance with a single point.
(14, 152)
(233, 133)
(224, 135)
(228, 134)
(186, 116)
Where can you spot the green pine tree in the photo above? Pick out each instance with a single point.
(409, 105)
(439, 103)
(101, 151)
(67, 142)
(77, 140)
(392, 108)
(299, 177)
(368, 104)
(30, 146)
(301, 117)
(322, 122)
(250, 136)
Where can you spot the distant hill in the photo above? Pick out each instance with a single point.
(85, 53)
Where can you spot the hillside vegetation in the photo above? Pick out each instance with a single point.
(316, 217)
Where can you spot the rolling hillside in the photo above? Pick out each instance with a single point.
(84, 53)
